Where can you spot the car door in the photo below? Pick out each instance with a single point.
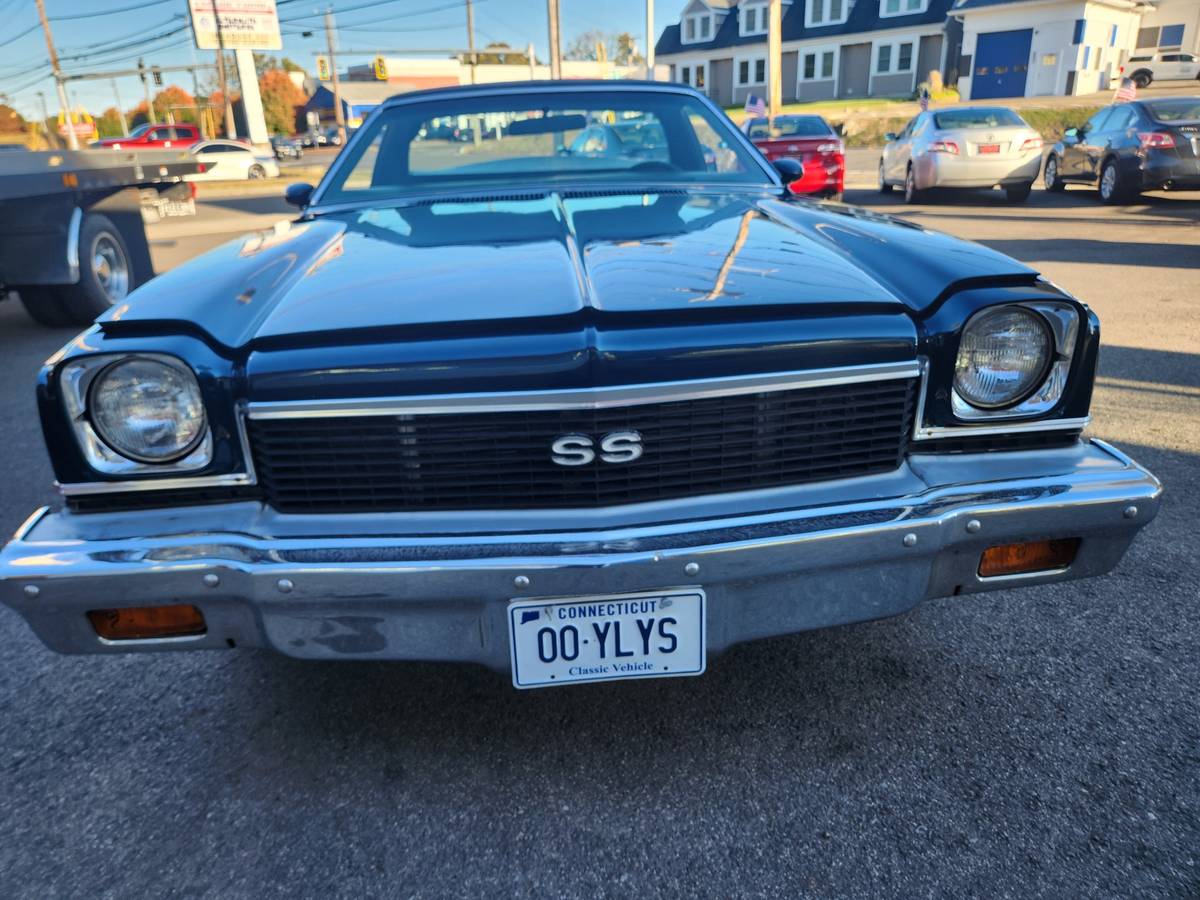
(1189, 66)
(1119, 134)
(1080, 153)
(899, 152)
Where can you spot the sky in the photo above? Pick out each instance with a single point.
(106, 35)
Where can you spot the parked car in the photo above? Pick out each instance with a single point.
(574, 418)
(630, 140)
(232, 160)
(154, 137)
(286, 147)
(809, 139)
(333, 137)
(1127, 148)
(962, 147)
(1146, 68)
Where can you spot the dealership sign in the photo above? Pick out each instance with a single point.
(235, 24)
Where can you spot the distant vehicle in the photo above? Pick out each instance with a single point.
(635, 139)
(157, 137)
(286, 147)
(963, 147)
(446, 130)
(812, 141)
(230, 160)
(1147, 68)
(332, 136)
(1147, 145)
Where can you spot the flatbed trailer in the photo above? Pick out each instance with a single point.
(72, 236)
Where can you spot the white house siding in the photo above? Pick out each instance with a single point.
(1175, 12)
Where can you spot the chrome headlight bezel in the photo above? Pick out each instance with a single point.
(1061, 319)
(76, 380)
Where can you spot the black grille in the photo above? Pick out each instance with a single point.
(502, 460)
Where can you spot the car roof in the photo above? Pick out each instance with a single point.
(488, 89)
(219, 142)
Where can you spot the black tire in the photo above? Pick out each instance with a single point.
(45, 306)
(836, 196)
(1019, 194)
(884, 187)
(911, 193)
(1112, 187)
(256, 171)
(1050, 176)
(1142, 79)
(105, 271)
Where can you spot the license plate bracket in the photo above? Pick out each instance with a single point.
(574, 640)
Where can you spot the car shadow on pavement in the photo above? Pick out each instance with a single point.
(1088, 251)
(1183, 206)
(1152, 367)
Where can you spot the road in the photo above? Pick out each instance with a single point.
(1036, 743)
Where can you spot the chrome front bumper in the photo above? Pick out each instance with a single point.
(285, 582)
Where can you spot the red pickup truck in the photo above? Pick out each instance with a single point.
(812, 141)
(154, 137)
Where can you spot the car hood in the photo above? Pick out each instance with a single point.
(526, 262)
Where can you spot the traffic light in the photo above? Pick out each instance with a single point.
(380, 68)
(157, 78)
(323, 68)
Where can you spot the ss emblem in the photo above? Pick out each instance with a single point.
(578, 449)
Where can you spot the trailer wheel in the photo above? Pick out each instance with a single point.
(45, 305)
(105, 274)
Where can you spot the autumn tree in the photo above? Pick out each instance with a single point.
(620, 48)
(181, 104)
(109, 123)
(280, 97)
(11, 121)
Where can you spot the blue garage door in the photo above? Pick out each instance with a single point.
(1001, 64)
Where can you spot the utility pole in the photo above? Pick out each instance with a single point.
(532, 62)
(120, 109)
(555, 43)
(72, 140)
(230, 126)
(775, 59)
(339, 115)
(650, 40)
(146, 90)
(45, 117)
(471, 39)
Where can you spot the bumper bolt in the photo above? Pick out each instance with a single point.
(1130, 512)
(32, 590)
(211, 580)
(285, 585)
(521, 581)
(974, 525)
(691, 569)
(910, 540)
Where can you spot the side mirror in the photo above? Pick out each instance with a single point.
(890, 136)
(789, 169)
(1071, 133)
(298, 194)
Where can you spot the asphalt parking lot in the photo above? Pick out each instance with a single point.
(1036, 743)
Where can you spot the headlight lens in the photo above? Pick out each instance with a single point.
(147, 409)
(1003, 356)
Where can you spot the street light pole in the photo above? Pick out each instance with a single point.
(555, 43)
(471, 39)
(338, 114)
(72, 140)
(650, 40)
(120, 111)
(774, 59)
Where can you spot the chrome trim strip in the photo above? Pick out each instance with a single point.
(73, 229)
(582, 398)
(154, 484)
(28, 525)
(944, 431)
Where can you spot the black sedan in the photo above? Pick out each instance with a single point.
(1127, 148)
(286, 147)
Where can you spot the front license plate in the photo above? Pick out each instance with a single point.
(989, 148)
(569, 640)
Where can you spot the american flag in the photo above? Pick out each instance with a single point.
(1126, 92)
(756, 106)
(923, 100)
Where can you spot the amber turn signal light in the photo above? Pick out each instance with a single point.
(140, 622)
(1027, 558)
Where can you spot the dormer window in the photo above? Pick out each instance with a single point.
(820, 13)
(697, 27)
(902, 7)
(755, 19)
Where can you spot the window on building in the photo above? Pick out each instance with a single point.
(1171, 36)
(685, 74)
(705, 27)
(752, 70)
(825, 12)
(1080, 31)
(827, 64)
(760, 71)
(755, 19)
(894, 58)
(902, 7)
(817, 65)
(1148, 37)
(1087, 58)
(744, 72)
(697, 27)
(1112, 36)
(904, 58)
(883, 58)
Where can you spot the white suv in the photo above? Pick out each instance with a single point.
(1148, 67)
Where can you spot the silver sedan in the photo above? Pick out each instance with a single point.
(962, 147)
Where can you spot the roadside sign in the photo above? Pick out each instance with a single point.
(235, 24)
(381, 68)
(323, 68)
(81, 123)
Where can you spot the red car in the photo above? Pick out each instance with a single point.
(150, 136)
(812, 141)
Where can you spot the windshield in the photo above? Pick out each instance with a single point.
(981, 117)
(1180, 109)
(140, 130)
(790, 126)
(505, 141)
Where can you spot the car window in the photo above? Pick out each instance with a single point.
(800, 126)
(1171, 57)
(1186, 57)
(1140, 58)
(159, 134)
(977, 117)
(1096, 122)
(908, 129)
(1174, 109)
(922, 125)
(1121, 118)
(538, 138)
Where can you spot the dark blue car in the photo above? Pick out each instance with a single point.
(571, 415)
(1127, 148)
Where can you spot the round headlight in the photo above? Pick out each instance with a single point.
(1003, 356)
(147, 409)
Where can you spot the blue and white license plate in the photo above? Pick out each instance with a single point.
(569, 640)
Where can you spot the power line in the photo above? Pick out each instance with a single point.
(34, 27)
(136, 43)
(137, 34)
(108, 12)
(372, 3)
